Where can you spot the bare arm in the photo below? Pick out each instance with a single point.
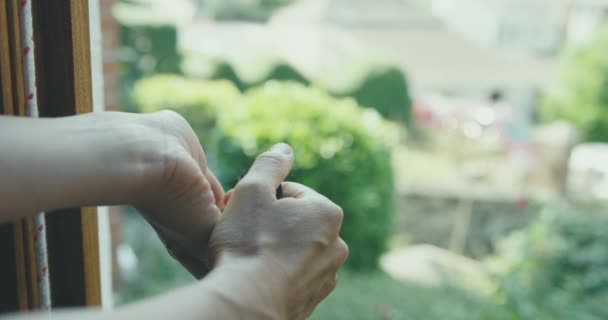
(154, 162)
(273, 258)
(73, 161)
(229, 292)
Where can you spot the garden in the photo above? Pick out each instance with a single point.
(360, 140)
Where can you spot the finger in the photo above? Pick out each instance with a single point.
(298, 190)
(341, 254)
(270, 168)
(227, 196)
(328, 287)
(216, 187)
(190, 263)
(334, 258)
(197, 268)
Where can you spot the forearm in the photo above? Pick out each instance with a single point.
(245, 289)
(72, 161)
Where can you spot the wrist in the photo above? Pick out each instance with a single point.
(142, 154)
(238, 288)
(122, 155)
(259, 282)
(140, 158)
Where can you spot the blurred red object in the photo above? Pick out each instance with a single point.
(522, 203)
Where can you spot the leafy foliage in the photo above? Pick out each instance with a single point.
(250, 10)
(372, 84)
(282, 71)
(148, 45)
(199, 101)
(557, 267)
(153, 49)
(582, 97)
(382, 87)
(224, 71)
(174, 92)
(148, 38)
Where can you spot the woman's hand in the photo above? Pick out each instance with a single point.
(295, 239)
(152, 161)
(273, 259)
(183, 198)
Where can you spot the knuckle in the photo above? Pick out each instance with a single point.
(172, 123)
(176, 121)
(343, 251)
(272, 158)
(333, 283)
(172, 115)
(249, 186)
(334, 214)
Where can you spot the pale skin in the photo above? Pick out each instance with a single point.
(258, 257)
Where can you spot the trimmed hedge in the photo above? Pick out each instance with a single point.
(255, 11)
(384, 88)
(224, 71)
(281, 71)
(375, 85)
(199, 101)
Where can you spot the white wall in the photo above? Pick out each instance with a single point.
(533, 26)
(587, 17)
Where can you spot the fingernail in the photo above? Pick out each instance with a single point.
(281, 148)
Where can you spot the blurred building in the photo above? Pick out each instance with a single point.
(534, 26)
(321, 36)
(585, 18)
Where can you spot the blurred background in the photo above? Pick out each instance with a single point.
(463, 139)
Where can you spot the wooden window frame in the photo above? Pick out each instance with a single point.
(64, 85)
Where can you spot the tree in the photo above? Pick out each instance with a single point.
(582, 96)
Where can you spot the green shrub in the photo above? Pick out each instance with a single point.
(224, 71)
(341, 150)
(199, 101)
(257, 11)
(582, 96)
(148, 45)
(281, 71)
(379, 86)
(375, 85)
(557, 268)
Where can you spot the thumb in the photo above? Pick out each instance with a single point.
(270, 168)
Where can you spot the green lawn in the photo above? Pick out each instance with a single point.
(377, 296)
